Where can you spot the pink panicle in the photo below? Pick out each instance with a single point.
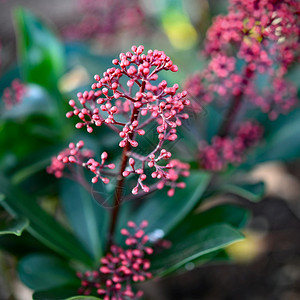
(226, 150)
(121, 267)
(82, 157)
(263, 37)
(14, 94)
(130, 90)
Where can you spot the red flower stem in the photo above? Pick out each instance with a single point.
(235, 105)
(121, 178)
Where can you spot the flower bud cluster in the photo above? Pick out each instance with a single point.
(14, 94)
(121, 267)
(128, 99)
(82, 157)
(227, 150)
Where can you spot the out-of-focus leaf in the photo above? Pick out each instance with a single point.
(59, 293)
(42, 271)
(15, 227)
(164, 213)
(88, 219)
(41, 225)
(251, 191)
(193, 246)
(78, 53)
(20, 246)
(41, 54)
(232, 215)
(282, 144)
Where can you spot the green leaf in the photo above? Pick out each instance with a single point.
(164, 213)
(282, 144)
(59, 293)
(192, 247)
(232, 215)
(41, 54)
(20, 246)
(43, 271)
(88, 219)
(251, 191)
(41, 225)
(15, 227)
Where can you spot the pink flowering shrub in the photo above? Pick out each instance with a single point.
(129, 199)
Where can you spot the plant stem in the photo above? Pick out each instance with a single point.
(235, 105)
(121, 178)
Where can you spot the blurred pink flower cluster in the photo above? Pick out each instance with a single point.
(225, 150)
(127, 101)
(14, 94)
(262, 38)
(105, 19)
(120, 267)
(250, 51)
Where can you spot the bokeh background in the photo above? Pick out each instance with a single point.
(268, 262)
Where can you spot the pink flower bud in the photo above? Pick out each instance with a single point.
(124, 232)
(94, 179)
(135, 190)
(122, 144)
(134, 143)
(131, 162)
(105, 180)
(126, 173)
(104, 156)
(171, 192)
(131, 224)
(141, 132)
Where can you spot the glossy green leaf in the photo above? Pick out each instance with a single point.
(41, 225)
(15, 227)
(233, 215)
(41, 54)
(89, 219)
(193, 246)
(251, 191)
(43, 271)
(164, 213)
